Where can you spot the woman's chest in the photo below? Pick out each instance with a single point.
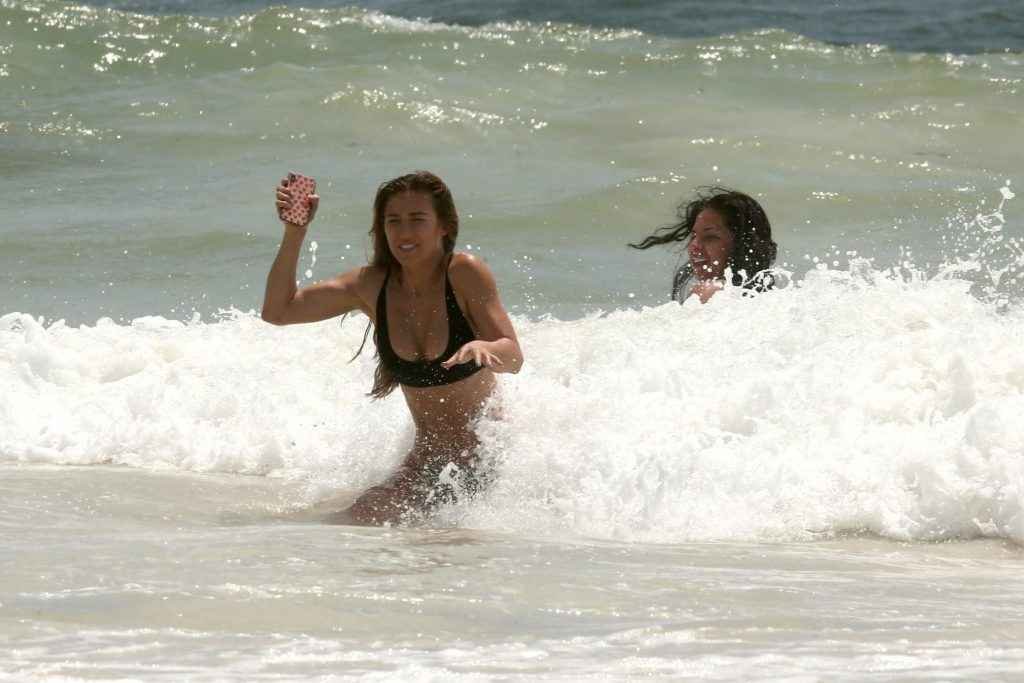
(418, 328)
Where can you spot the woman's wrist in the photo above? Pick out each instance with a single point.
(293, 230)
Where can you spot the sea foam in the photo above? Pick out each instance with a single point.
(851, 401)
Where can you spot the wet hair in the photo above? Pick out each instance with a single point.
(423, 182)
(426, 183)
(753, 250)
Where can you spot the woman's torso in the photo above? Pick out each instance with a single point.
(418, 330)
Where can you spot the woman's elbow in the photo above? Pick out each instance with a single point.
(516, 363)
(273, 317)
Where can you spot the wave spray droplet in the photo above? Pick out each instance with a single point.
(313, 246)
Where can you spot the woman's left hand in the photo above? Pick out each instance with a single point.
(475, 351)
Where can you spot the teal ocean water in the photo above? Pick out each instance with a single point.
(825, 482)
(138, 149)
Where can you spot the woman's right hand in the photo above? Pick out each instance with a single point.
(284, 202)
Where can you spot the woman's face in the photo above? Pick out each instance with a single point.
(412, 228)
(710, 245)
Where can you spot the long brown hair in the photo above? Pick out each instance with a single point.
(444, 206)
(754, 250)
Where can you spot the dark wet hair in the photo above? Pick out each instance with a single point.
(753, 251)
(426, 183)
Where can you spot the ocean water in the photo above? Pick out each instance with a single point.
(825, 482)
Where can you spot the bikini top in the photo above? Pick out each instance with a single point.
(425, 373)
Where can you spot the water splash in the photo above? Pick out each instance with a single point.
(854, 400)
(313, 246)
(983, 251)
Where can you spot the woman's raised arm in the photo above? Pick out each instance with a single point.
(283, 302)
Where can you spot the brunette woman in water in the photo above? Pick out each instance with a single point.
(722, 229)
(440, 330)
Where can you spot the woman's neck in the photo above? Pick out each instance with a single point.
(420, 278)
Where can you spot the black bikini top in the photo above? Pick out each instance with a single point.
(425, 373)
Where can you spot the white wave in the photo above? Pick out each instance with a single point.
(852, 401)
(843, 405)
(235, 396)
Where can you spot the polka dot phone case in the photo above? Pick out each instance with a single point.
(301, 187)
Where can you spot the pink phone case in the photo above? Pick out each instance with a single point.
(301, 186)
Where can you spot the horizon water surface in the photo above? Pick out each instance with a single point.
(825, 482)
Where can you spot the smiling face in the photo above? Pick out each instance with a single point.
(412, 228)
(711, 245)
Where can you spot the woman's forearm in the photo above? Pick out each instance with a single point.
(281, 287)
(508, 352)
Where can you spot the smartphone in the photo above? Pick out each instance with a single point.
(301, 186)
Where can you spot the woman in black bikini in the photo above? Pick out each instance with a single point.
(441, 332)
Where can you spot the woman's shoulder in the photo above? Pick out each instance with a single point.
(469, 273)
(467, 266)
(367, 280)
